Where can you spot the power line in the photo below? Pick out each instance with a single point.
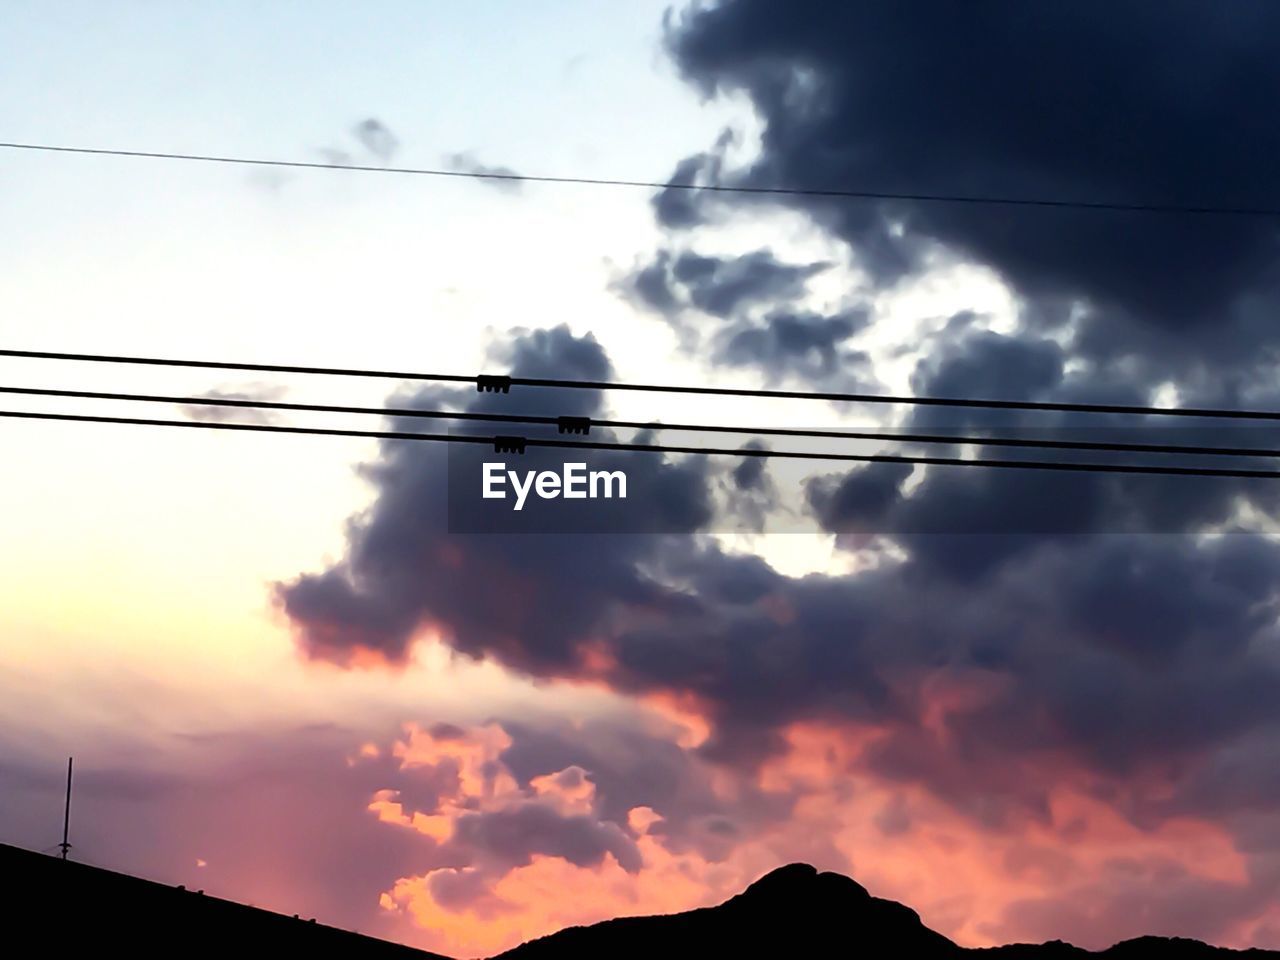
(509, 444)
(502, 384)
(583, 424)
(661, 185)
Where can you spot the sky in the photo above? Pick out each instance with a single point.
(1030, 705)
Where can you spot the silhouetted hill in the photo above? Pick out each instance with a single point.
(62, 908)
(795, 911)
(55, 908)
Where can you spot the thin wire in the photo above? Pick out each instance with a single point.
(661, 185)
(541, 382)
(657, 448)
(653, 425)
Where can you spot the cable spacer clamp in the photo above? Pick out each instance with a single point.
(491, 383)
(508, 444)
(578, 425)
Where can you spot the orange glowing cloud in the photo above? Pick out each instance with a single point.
(960, 868)
(906, 844)
(475, 753)
(549, 894)
(685, 712)
(568, 791)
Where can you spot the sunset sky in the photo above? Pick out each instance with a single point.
(1029, 705)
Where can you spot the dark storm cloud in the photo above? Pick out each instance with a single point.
(1143, 650)
(678, 207)
(965, 520)
(750, 473)
(861, 500)
(979, 363)
(719, 286)
(752, 496)
(1118, 657)
(651, 285)
(1092, 644)
(1070, 637)
(538, 596)
(723, 286)
(733, 304)
(1116, 102)
(802, 344)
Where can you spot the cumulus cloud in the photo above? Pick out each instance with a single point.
(889, 100)
(406, 572)
(755, 651)
(1080, 671)
(746, 312)
(678, 206)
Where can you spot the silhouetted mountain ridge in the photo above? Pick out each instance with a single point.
(794, 911)
(798, 911)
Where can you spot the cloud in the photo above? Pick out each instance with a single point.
(723, 286)
(806, 345)
(486, 820)
(1033, 877)
(1107, 663)
(500, 178)
(755, 651)
(680, 207)
(745, 312)
(516, 834)
(256, 392)
(1192, 905)
(376, 138)
(406, 573)
(875, 99)
(1062, 681)
(516, 818)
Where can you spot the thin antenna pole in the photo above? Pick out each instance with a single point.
(66, 813)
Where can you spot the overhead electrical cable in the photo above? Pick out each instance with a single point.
(722, 188)
(511, 444)
(503, 384)
(583, 424)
